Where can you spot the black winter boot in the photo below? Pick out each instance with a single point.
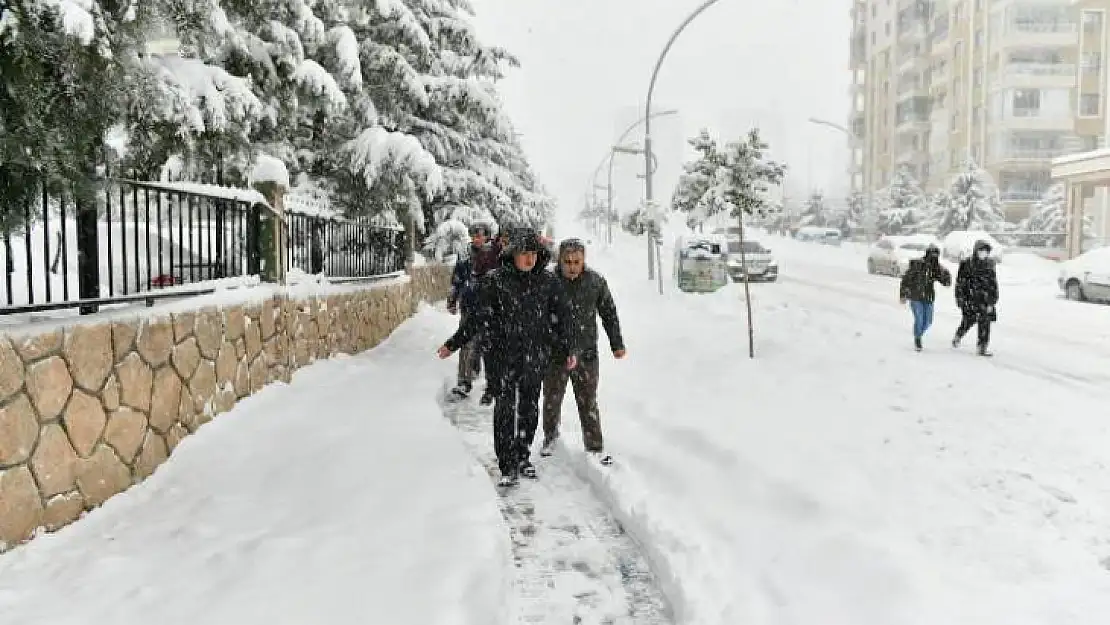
(917, 343)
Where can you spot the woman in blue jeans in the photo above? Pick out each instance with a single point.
(917, 288)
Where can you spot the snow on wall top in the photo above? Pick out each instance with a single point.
(210, 190)
(269, 169)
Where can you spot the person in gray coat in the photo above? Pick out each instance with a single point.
(588, 297)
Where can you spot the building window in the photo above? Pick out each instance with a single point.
(977, 77)
(1089, 105)
(979, 38)
(1091, 62)
(887, 28)
(1092, 22)
(1090, 143)
(1027, 102)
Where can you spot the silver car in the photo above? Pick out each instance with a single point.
(758, 260)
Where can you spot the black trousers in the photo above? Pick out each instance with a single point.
(976, 317)
(516, 408)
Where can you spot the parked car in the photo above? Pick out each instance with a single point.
(891, 255)
(700, 263)
(758, 260)
(959, 244)
(816, 234)
(1087, 276)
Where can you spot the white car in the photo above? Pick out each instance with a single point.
(959, 245)
(758, 260)
(891, 255)
(1087, 276)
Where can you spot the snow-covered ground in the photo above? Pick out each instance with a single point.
(840, 477)
(836, 478)
(341, 498)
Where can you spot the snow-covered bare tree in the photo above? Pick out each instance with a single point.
(1047, 225)
(970, 203)
(902, 204)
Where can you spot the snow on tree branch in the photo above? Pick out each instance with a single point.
(376, 148)
(316, 80)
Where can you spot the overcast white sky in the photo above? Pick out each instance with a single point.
(586, 65)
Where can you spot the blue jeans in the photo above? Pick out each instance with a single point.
(922, 317)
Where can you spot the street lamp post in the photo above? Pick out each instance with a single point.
(869, 217)
(609, 157)
(648, 195)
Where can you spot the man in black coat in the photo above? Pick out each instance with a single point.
(589, 297)
(977, 295)
(523, 312)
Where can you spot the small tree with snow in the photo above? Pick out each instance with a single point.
(971, 203)
(902, 204)
(696, 179)
(814, 212)
(1047, 225)
(856, 210)
(745, 176)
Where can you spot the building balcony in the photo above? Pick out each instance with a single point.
(1020, 195)
(1034, 75)
(915, 90)
(914, 63)
(913, 123)
(912, 31)
(912, 155)
(1035, 119)
(1033, 34)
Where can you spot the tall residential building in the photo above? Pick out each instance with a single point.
(1010, 83)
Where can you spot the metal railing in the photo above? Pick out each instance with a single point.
(343, 248)
(143, 241)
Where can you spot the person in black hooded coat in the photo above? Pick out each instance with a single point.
(977, 295)
(524, 314)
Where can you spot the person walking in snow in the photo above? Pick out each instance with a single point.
(917, 288)
(977, 296)
(523, 313)
(588, 297)
(482, 258)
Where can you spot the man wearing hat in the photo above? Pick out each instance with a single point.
(515, 309)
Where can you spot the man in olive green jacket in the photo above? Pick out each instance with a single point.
(588, 297)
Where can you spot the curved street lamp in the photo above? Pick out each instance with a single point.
(869, 217)
(619, 147)
(648, 196)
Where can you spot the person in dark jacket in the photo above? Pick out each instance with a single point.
(977, 296)
(588, 297)
(515, 311)
(917, 288)
(482, 258)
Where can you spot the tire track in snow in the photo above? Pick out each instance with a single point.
(574, 562)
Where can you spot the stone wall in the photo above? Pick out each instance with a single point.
(88, 410)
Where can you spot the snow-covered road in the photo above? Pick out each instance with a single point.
(840, 477)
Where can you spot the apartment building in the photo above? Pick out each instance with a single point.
(1010, 83)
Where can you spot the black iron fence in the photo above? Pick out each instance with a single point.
(142, 241)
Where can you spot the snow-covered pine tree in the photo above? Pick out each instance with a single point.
(856, 209)
(1047, 224)
(64, 66)
(744, 177)
(282, 48)
(901, 204)
(971, 203)
(696, 179)
(814, 211)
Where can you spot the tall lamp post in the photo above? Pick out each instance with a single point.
(649, 197)
(619, 147)
(869, 204)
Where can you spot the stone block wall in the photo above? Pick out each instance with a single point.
(88, 410)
